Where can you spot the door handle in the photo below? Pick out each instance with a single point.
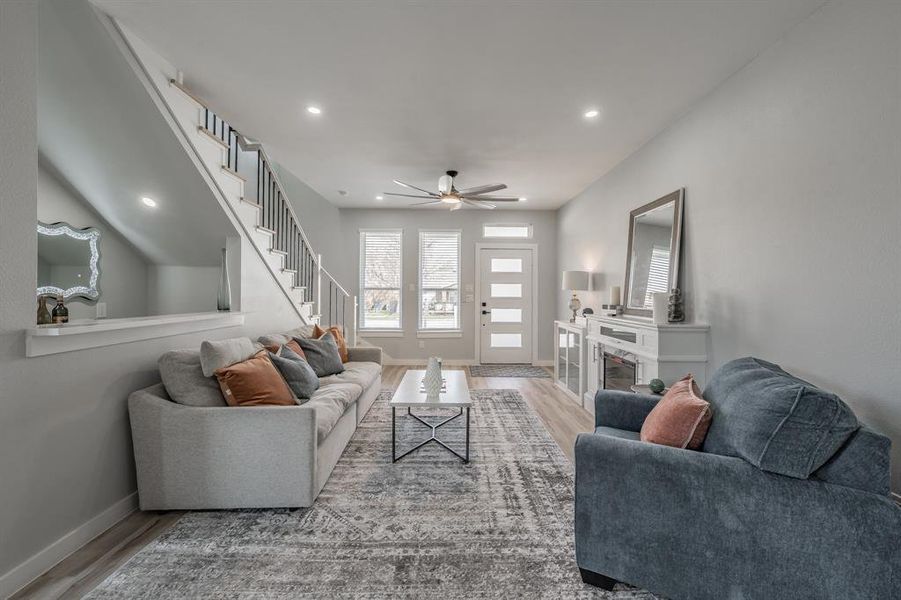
(486, 312)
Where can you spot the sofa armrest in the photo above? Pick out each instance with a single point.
(666, 519)
(622, 410)
(365, 354)
(222, 457)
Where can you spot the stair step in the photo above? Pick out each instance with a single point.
(233, 173)
(265, 230)
(291, 271)
(298, 288)
(212, 136)
(250, 203)
(184, 90)
(277, 251)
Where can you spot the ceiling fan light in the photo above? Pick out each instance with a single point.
(450, 199)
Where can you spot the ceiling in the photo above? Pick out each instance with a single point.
(101, 134)
(496, 90)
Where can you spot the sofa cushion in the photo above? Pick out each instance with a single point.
(304, 331)
(223, 353)
(185, 382)
(254, 382)
(680, 419)
(862, 463)
(297, 373)
(330, 402)
(360, 373)
(617, 433)
(322, 354)
(773, 420)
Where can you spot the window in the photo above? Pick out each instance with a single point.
(507, 231)
(380, 279)
(439, 280)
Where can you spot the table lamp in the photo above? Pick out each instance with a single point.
(575, 281)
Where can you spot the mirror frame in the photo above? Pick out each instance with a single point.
(677, 198)
(90, 293)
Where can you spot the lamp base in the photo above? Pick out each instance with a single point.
(574, 305)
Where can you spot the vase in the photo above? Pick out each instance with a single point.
(432, 381)
(44, 317)
(224, 298)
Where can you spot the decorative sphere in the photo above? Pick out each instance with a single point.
(656, 386)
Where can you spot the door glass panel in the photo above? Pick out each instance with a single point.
(506, 340)
(506, 315)
(506, 265)
(506, 290)
(561, 355)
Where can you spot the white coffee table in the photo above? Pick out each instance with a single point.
(409, 394)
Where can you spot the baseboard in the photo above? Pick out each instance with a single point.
(544, 363)
(23, 574)
(458, 362)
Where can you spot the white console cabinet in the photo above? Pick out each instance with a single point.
(624, 351)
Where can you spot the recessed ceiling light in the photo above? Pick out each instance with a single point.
(148, 202)
(379, 197)
(523, 199)
(314, 110)
(592, 113)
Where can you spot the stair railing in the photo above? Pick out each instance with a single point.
(278, 218)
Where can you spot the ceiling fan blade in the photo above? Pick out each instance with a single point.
(413, 187)
(409, 195)
(485, 205)
(491, 198)
(482, 189)
(424, 203)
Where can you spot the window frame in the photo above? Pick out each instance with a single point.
(528, 226)
(446, 331)
(361, 308)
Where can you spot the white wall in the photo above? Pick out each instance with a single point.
(470, 222)
(123, 270)
(174, 289)
(66, 463)
(792, 209)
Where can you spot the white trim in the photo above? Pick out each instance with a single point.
(439, 333)
(415, 362)
(507, 237)
(459, 233)
(381, 333)
(478, 302)
(41, 562)
(361, 306)
(78, 335)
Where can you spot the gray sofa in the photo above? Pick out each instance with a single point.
(199, 453)
(788, 499)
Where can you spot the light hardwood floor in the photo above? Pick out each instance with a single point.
(87, 567)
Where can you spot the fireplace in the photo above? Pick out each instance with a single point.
(619, 370)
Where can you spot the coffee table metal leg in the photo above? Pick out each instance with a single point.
(466, 460)
(432, 438)
(393, 446)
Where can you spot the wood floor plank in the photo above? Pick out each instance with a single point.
(85, 568)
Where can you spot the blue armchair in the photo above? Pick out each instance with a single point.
(807, 514)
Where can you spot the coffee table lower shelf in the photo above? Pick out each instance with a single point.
(433, 438)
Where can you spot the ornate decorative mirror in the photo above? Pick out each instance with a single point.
(652, 260)
(68, 262)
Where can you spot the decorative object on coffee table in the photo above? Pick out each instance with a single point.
(575, 281)
(657, 386)
(676, 313)
(224, 297)
(432, 381)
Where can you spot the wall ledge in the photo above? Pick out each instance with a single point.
(79, 335)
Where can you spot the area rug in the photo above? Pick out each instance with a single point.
(427, 526)
(509, 371)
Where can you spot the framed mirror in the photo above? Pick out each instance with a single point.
(68, 262)
(652, 259)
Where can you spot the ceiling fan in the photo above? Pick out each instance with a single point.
(454, 198)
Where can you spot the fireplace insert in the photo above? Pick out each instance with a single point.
(619, 370)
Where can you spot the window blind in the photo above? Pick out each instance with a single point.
(439, 279)
(380, 274)
(658, 275)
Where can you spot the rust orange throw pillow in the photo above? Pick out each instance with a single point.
(680, 419)
(293, 345)
(318, 332)
(254, 382)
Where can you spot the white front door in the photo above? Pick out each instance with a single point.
(505, 306)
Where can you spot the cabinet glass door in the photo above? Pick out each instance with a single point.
(561, 355)
(574, 370)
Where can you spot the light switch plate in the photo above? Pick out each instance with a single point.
(468, 288)
(412, 287)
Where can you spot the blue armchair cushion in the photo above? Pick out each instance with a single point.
(773, 420)
(862, 463)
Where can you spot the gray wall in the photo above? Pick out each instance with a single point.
(470, 222)
(65, 447)
(792, 209)
(123, 270)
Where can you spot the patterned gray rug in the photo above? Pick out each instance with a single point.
(427, 526)
(509, 371)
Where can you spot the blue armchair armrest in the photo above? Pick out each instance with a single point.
(695, 525)
(622, 410)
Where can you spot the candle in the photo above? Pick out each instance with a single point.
(615, 295)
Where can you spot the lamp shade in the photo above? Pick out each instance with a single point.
(575, 280)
